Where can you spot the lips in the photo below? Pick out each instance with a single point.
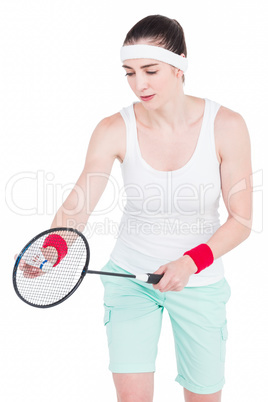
(147, 97)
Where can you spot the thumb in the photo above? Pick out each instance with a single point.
(161, 270)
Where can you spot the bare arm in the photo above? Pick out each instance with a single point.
(237, 195)
(101, 153)
(236, 186)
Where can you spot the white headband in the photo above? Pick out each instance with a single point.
(153, 52)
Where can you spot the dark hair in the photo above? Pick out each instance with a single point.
(160, 30)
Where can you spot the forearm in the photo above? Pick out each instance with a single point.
(73, 212)
(81, 202)
(66, 217)
(227, 237)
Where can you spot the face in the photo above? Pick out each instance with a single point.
(153, 77)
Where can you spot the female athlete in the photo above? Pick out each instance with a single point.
(178, 153)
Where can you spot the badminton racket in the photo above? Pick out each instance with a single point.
(52, 265)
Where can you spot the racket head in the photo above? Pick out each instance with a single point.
(55, 286)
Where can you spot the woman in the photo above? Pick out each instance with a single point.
(177, 153)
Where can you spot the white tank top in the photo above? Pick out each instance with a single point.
(169, 212)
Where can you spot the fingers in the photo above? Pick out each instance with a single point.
(21, 263)
(168, 282)
(161, 270)
(32, 272)
(162, 288)
(29, 271)
(169, 287)
(162, 284)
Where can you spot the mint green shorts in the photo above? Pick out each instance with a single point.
(133, 312)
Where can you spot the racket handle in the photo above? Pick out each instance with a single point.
(154, 278)
(149, 278)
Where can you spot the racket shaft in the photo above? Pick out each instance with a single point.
(110, 273)
(148, 278)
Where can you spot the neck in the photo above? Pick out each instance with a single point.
(171, 116)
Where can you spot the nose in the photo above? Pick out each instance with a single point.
(141, 83)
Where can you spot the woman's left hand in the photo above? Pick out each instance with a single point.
(176, 274)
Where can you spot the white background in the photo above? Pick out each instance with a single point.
(60, 75)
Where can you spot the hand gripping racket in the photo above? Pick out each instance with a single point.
(53, 264)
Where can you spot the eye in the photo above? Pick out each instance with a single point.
(148, 72)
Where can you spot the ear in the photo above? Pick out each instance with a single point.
(179, 73)
(175, 71)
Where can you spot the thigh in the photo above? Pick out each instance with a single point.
(133, 319)
(198, 318)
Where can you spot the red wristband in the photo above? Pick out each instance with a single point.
(54, 240)
(202, 256)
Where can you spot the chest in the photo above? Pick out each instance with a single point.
(167, 151)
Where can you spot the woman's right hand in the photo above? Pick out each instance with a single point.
(31, 268)
(29, 271)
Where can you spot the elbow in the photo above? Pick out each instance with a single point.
(244, 226)
(246, 232)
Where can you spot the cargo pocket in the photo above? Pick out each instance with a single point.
(224, 337)
(107, 323)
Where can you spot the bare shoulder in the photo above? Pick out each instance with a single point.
(231, 132)
(115, 132)
(105, 144)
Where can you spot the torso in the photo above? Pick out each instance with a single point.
(170, 152)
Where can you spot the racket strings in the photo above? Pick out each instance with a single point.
(43, 288)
